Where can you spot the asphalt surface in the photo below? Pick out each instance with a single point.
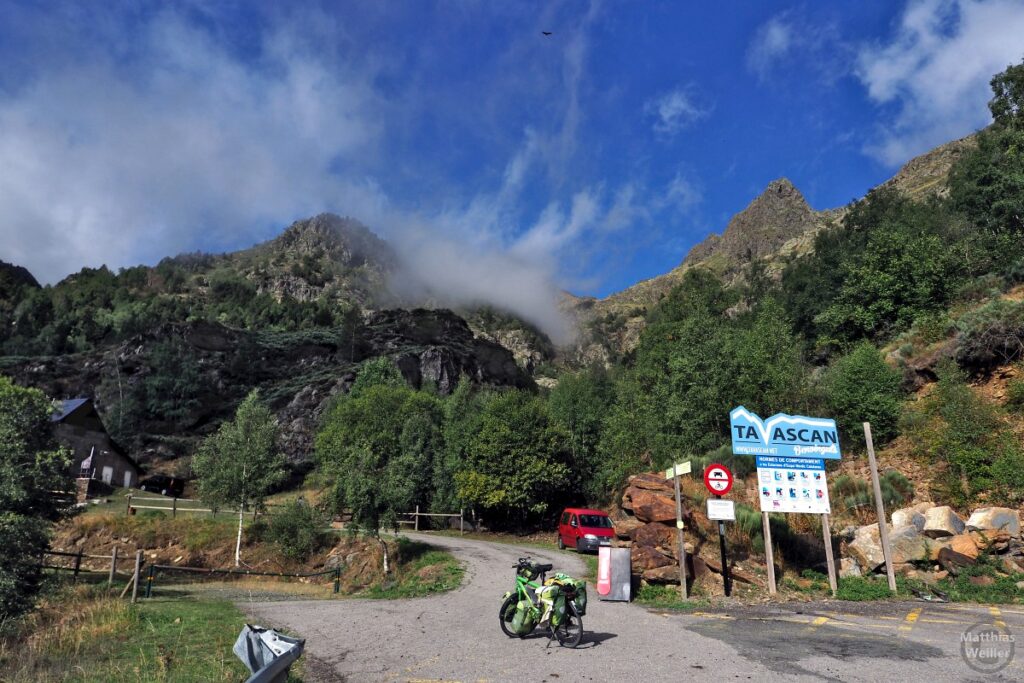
(455, 636)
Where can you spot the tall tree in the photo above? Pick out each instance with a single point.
(240, 463)
(31, 465)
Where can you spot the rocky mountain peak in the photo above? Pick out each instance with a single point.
(15, 277)
(345, 241)
(777, 215)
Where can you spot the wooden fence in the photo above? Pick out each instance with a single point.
(415, 521)
(76, 567)
(178, 505)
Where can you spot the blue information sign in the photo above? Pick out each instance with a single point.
(783, 435)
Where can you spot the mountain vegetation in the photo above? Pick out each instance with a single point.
(883, 311)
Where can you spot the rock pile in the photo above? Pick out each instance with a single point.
(931, 541)
(648, 525)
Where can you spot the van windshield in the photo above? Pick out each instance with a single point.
(595, 521)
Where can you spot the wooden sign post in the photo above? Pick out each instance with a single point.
(883, 527)
(676, 470)
(769, 553)
(826, 531)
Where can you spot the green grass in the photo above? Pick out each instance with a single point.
(1002, 591)
(86, 635)
(667, 597)
(422, 570)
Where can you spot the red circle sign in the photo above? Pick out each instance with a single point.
(718, 479)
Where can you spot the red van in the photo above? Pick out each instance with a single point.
(584, 529)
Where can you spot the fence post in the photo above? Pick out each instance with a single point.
(416, 524)
(149, 580)
(174, 507)
(113, 566)
(461, 525)
(78, 564)
(337, 580)
(135, 576)
(128, 509)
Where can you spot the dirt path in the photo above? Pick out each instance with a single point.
(455, 636)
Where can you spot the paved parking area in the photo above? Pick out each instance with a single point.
(455, 636)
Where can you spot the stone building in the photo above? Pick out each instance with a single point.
(95, 455)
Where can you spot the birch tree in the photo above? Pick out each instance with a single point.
(240, 463)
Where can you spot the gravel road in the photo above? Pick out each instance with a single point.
(455, 636)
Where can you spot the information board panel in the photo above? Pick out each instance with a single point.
(792, 485)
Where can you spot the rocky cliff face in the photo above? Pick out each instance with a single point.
(297, 373)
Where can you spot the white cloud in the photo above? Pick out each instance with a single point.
(119, 161)
(794, 43)
(674, 111)
(772, 42)
(935, 71)
(683, 193)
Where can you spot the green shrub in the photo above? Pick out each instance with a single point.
(297, 530)
(862, 588)
(1015, 393)
(860, 387)
(990, 336)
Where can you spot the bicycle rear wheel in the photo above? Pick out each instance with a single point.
(505, 614)
(570, 632)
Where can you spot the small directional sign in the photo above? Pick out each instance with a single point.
(679, 468)
(718, 479)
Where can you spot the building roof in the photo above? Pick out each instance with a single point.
(67, 407)
(73, 405)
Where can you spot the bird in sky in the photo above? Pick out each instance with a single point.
(547, 33)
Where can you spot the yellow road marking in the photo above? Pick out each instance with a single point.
(997, 617)
(942, 621)
(910, 620)
(815, 624)
(712, 616)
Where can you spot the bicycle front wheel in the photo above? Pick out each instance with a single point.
(570, 632)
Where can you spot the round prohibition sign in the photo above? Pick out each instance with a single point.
(718, 479)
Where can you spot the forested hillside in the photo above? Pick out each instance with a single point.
(905, 308)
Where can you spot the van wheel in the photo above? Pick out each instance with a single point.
(561, 543)
(578, 546)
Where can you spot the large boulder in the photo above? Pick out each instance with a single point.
(995, 519)
(953, 562)
(649, 506)
(866, 548)
(653, 482)
(655, 534)
(906, 543)
(646, 557)
(964, 544)
(942, 521)
(624, 528)
(848, 568)
(667, 574)
(911, 516)
(908, 546)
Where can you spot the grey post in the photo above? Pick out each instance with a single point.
(416, 523)
(826, 532)
(769, 552)
(679, 532)
(113, 565)
(883, 526)
(128, 509)
(461, 526)
(135, 576)
(174, 507)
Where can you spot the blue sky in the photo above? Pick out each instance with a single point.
(504, 163)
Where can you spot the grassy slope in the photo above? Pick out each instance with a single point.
(83, 634)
